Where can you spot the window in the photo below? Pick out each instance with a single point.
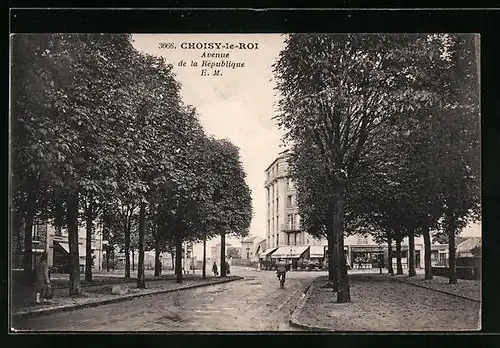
(289, 201)
(277, 238)
(295, 236)
(277, 224)
(35, 233)
(277, 203)
(288, 237)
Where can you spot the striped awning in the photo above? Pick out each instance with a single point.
(293, 252)
(267, 253)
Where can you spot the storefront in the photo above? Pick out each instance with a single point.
(265, 261)
(364, 257)
(291, 254)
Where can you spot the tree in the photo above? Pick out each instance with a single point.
(459, 149)
(339, 92)
(231, 195)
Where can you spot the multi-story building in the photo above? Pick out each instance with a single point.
(46, 237)
(283, 219)
(286, 240)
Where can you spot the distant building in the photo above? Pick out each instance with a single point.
(464, 245)
(215, 252)
(249, 248)
(55, 242)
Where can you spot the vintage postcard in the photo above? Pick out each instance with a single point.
(245, 182)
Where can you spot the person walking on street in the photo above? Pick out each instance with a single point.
(215, 270)
(228, 271)
(43, 288)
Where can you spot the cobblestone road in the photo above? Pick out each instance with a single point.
(253, 304)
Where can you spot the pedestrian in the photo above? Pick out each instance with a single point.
(215, 270)
(43, 288)
(227, 268)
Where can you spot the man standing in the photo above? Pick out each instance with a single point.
(42, 287)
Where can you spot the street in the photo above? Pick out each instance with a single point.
(253, 304)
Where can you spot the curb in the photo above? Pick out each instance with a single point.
(294, 319)
(67, 308)
(437, 290)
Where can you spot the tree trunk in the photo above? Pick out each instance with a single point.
(157, 255)
(114, 260)
(452, 268)
(88, 242)
(141, 279)
(427, 252)
(28, 241)
(223, 254)
(107, 258)
(343, 293)
(390, 270)
(204, 267)
(332, 251)
(74, 259)
(411, 252)
(172, 255)
(178, 257)
(399, 265)
(127, 246)
(133, 259)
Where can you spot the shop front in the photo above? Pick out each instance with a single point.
(365, 257)
(293, 255)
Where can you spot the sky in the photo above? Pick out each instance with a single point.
(239, 105)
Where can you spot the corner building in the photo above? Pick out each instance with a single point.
(285, 240)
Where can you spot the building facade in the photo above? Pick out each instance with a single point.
(249, 248)
(282, 216)
(286, 240)
(46, 237)
(215, 252)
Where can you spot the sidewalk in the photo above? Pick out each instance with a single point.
(469, 289)
(104, 292)
(379, 303)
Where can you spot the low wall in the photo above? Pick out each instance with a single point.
(470, 273)
(244, 263)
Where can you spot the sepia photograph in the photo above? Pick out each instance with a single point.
(245, 182)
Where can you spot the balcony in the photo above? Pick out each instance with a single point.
(290, 227)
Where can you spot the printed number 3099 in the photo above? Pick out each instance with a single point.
(166, 45)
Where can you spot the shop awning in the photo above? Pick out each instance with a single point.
(267, 253)
(63, 245)
(285, 252)
(316, 251)
(82, 250)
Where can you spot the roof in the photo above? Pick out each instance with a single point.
(282, 154)
(289, 252)
(248, 239)
(459, 240)
(468, 244)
